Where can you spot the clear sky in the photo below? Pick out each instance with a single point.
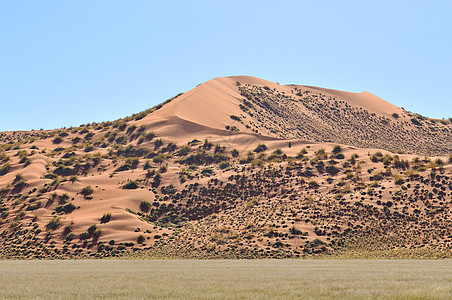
(66, 63)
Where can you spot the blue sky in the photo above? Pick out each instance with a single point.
(65, 63)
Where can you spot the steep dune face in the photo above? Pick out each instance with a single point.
(237, 167)
(237, 105)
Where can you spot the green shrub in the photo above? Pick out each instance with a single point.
(86, 191)
(54, 223)
(84, 236)
(57, 140)
(260, 148)
(145, 206)
(130, 185)
(158, 143)
(5, 169)
(337, 149)
(416, 122)
(235, 118)
(149, 136)
(89, 148)
(19, 181)
(105, 218)
(141, 239)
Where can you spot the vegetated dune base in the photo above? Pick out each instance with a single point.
(238, 167)
(244, 279)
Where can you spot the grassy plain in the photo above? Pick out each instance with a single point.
(206, 279)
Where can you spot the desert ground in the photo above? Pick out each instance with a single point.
(226, 279)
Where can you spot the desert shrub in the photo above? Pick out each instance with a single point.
(145, 206)
(5, 169)
(91, 229)
(416, 122)
(232, 128)
(131, 129)
(157, 180)
(207, 145)
(64, 171)
(439, 162)
(207, 172)
(96, 234)
(235, 153)
(337, 149)
(105, 218)
(332, 170)
(70, 237)
(141, 239)
(320, 154)
(68, 228)
(89, 135)
(3, 157)
(376, 157)
(313, 184)
(224, 165)
(86, 191)
(163, 168)
(130, 185)
(149, 136)
(235, 118)
(19, 181)
(54, 223)
(84, 236)
(159, 159)
(169, 190)
(89, 148)
(184, 150)
(395, 115)
(158, 143)
(260, 148)
(66, 208)
(302, 153)
(171, 147)
(401, 164)
(57, 140)
(34, 205)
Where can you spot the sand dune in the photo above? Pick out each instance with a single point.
(237, 167)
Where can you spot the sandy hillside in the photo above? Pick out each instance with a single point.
(236, 167)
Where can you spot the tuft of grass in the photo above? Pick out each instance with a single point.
(105, 218)
(130, 185)
(87, 191)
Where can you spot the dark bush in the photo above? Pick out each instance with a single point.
(130, 185)
(105, 218)
(260, 148)
(86, 191)
(145, 206)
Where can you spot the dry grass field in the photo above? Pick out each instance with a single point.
(244, 279)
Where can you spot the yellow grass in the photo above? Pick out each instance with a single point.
(249, 279)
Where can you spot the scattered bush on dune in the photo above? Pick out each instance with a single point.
(86, 191)
(145, 206)
(260, 148)
(130, 185)
(105, 218)
(5, 169)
